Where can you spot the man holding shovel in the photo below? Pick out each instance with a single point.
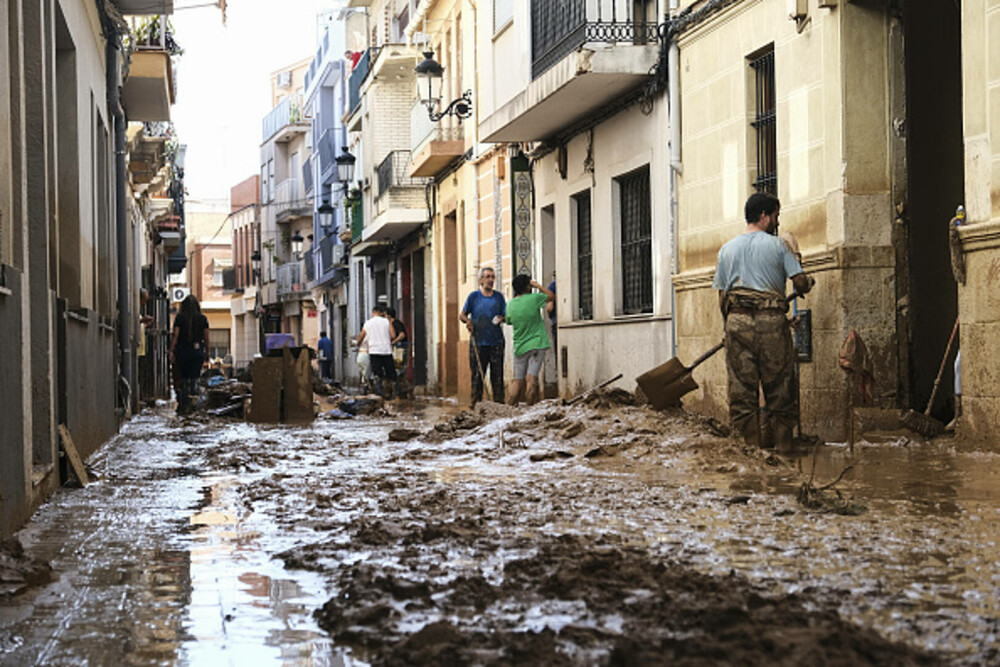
(483, 313)
(750, 277)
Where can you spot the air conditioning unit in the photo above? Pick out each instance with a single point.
(179, 293)
(337, 252)
(285, 79)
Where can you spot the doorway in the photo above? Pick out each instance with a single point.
(420, 347)
(935, 187)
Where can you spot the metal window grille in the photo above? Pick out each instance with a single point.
(503, 13)
(636, 242)
(764, 124)
(584, 258)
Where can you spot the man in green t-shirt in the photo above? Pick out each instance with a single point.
(531, 341)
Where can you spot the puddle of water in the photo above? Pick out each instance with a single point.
(158, 564)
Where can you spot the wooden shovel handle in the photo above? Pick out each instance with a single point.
(944, 362)
(705, 356)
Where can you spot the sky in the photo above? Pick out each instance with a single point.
(223, 82)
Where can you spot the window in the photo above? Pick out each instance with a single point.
(263, 183)
(584, 257)
(763, 125)
(503, 14)
(636, 242)
(218, 343)
(219, 267)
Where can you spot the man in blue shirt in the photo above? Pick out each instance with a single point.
(324, 352)
(751, 275)
(483, 313)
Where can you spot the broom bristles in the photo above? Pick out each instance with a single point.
(923, 424)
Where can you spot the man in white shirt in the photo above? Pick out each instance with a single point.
(379, 332)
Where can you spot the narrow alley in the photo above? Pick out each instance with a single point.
(601, 533)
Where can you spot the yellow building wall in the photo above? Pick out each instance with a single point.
(833, 181)
(979, 298)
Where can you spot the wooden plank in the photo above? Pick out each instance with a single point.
(74, 457)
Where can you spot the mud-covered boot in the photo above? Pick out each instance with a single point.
(749, 429)
(784, 443)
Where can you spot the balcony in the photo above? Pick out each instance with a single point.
(147, 153)
(290, 203)
(400, 201)
(585, 54)
(357, 77)
(144, 7)
(393, 173)
(285, 121)
(292, 283)
(149, 90)
(434, 145)
(357, 222)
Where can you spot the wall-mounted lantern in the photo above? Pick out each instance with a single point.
(432, 73)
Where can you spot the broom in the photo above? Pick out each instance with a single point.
(924, 424)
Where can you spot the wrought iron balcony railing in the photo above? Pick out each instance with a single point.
(394, 172)
(559, 28)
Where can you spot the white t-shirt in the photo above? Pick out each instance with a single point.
(377, 336)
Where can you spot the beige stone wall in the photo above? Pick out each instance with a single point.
(979, 298)
(833, 152)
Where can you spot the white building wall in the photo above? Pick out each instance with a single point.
(597, 349)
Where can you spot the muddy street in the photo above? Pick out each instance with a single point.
(601, 533)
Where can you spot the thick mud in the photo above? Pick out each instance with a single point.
(600, 533)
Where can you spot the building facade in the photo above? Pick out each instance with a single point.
(286, 211)
(73, 231)
(391, 257)
(244, 216)
(847, 112)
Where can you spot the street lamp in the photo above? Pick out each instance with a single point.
(255, 262)
(345, 173)
(297, 244)
(431, 71)
(345, 166)
(325, 212)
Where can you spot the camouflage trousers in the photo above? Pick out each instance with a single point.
(759, 353)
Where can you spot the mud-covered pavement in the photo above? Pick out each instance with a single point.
(596, 534)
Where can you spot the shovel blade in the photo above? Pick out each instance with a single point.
(666, 384)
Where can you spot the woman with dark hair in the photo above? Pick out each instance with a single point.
(188, 350)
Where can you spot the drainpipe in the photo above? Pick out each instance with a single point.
(111, 51)
(674, 97)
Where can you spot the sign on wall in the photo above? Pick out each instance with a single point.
(524, 224)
